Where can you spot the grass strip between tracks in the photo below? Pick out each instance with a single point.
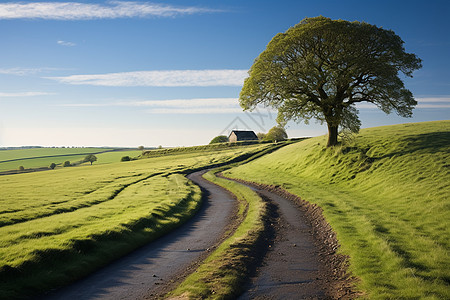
(221, 275)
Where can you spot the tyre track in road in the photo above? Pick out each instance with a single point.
(150, 269)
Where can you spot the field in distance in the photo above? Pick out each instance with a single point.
(34, 158)
(58, 225)
(386, 194)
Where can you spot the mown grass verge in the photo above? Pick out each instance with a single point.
(386, 195)
(222, 274)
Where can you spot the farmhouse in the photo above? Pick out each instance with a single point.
(242, 135)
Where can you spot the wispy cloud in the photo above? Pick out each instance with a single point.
(27, 71)
(441, 99)
(433, 102)
(176, 106)
(65, 43)
(160, 78)
(422, 102)
(24, 94)
(89, 11)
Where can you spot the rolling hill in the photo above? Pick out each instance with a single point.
(386, 194)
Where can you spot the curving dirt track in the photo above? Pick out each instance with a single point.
(295, 265)
(151, 268)
(291, 268)
(300, 260)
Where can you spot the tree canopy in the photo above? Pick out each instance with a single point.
(219, 139)
(320, 68)
(276, 133)
(90, 158)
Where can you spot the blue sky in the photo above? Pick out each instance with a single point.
(130, 73)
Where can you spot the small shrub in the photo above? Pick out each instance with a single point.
(276, 134)
(219, 139)
(261, 136)
(52, 166)
(125, 158)
(90, 158)
(21, 168)
(66, 164)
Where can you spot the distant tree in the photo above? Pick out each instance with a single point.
(261, 136)
(52, 166)
(90, 158)
(66, 164)
(321, 68)
(141, 148)
(219, 139)
(21, 168)
(276, 133)
(159, 147)
(125, 158)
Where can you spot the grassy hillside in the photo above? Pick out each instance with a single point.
(386, 194)
(60, 224)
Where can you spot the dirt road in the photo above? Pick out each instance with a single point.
(148, 269)
(290, 269)
(301, 261)
(295, 265)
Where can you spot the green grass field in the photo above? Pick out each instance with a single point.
(43, 157)
(58, 225)
(40, 152)
(386, 194)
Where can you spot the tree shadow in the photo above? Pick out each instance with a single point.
(433, 142)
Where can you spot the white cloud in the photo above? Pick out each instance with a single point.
(26, 71)
(196, 110)
(160, 78)
(422, 102)
(433, 102)
(192, 106)
(176, 106)
(67, 44)
(89, 11)
(433, 105)
(186, 103)
(445, 99)
(24, 94)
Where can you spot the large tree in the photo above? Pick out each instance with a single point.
(321, 68)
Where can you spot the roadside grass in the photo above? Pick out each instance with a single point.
(386, 194)
(58, 226)
(74, 243)
(222, 274)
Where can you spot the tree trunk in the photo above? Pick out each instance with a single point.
(332, 135)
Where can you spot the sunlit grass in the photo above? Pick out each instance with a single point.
(43, 157)
(58, 225)
(386, 194)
